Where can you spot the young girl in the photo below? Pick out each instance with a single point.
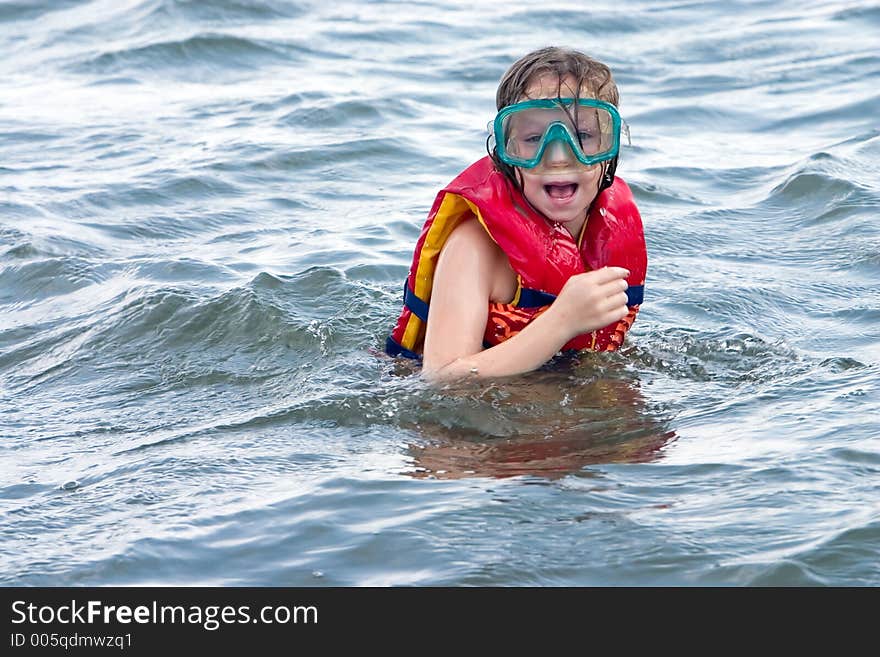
(536, 248)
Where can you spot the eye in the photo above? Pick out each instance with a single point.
(532, 139)
(583, 135)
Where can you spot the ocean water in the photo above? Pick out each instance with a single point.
(207, 210)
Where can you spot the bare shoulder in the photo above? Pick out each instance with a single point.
(470, 235)
(470, 250)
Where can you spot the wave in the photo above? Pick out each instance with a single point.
(274, 322)
(37, 280)
(869, 14)
(362, 152)
(30, 9)
(854, 114)
(169, 190)
(589, 22)
(814, 190)
(192, 56)
(832, 193)
(226, 11)
(851, 551)
(151, 12)
(723, 356)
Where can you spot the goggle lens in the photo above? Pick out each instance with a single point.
(523, 132)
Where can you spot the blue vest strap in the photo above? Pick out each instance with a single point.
(418, 307)
(529, 298)
(393, 349)
(635, 295)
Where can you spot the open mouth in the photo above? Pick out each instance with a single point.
(561, 191)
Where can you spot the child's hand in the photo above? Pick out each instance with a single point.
(592, 300)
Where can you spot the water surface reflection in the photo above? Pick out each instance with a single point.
(548, 424)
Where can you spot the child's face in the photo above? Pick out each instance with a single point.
(561, 188)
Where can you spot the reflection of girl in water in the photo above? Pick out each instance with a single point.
(506, 430)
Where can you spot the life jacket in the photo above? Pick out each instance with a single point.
(542, 254)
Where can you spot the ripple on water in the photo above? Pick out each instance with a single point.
(722, 356)
(227, 12)
(20, 11)
(190, 58)
(36, 280)
(813, 191)
(352, 114)
(853, 550)
(869, 14)
(168, 192)
(855, 114)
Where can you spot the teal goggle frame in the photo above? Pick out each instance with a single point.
(556, 130)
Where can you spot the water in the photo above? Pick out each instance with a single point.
(208, 209)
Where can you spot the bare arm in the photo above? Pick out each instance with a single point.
(470, 272)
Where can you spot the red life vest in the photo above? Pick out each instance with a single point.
(543, 255)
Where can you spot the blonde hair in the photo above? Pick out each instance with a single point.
(588, 73)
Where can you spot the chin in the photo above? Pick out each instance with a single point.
(565, 216)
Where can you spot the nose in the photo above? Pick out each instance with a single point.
(558, 152)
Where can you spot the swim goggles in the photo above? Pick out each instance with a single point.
(591, 128)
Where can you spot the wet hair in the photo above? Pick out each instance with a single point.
(589, 74)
